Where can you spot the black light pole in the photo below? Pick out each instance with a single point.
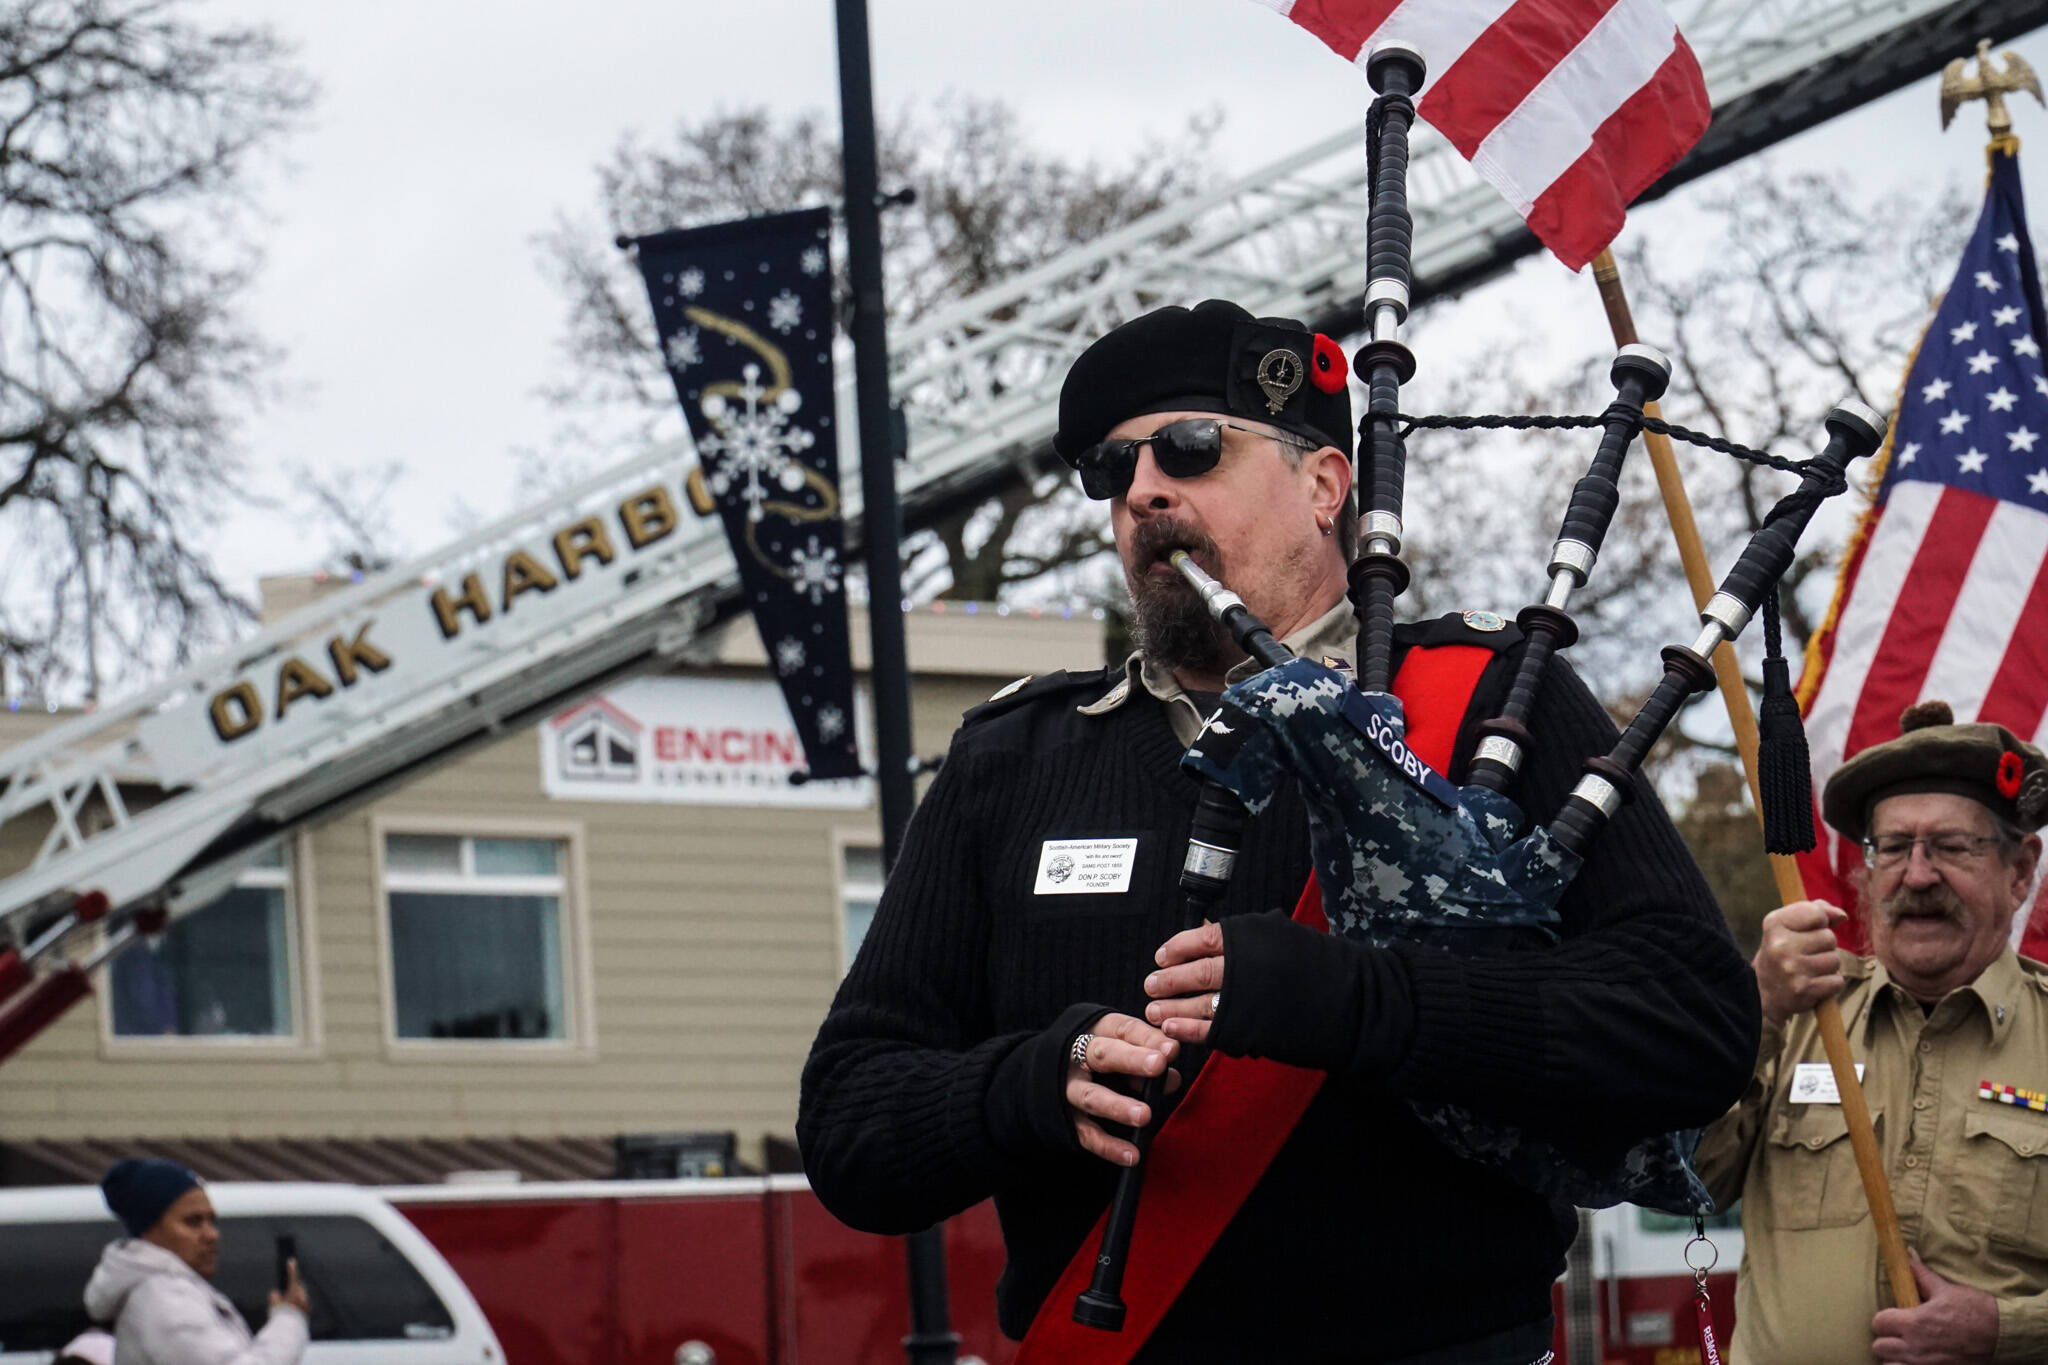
(931, 1340)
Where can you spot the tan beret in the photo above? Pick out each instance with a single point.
(1987, 763)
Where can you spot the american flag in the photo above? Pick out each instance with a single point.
(1944, 591)
(1570, 108)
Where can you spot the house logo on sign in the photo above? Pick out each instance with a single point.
(703, 741)
(598, 742)
(1060, 868)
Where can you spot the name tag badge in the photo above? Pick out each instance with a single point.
(1814, 1083)
(1085, 867)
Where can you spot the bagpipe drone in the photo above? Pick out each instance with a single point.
(1403, 854)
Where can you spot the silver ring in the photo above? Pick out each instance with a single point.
(1078, 1053)
(1215, 1003)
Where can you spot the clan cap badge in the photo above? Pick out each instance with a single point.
(1214, 357)
(1278, 376)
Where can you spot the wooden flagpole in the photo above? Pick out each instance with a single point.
(1834, 1035)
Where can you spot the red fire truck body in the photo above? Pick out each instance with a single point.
(614, 1273)
(755, 1272)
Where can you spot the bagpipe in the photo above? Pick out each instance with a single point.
(1401, 853)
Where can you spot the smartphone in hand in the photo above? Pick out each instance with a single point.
(287, 1251)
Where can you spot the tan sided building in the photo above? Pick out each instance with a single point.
(622, 921)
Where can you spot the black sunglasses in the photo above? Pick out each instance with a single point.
(1182, 450)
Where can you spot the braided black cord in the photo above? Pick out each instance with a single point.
(1755, 576)
(1802, 502)
(1550, 422)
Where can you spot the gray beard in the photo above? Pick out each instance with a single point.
(1173, 628)
(1169, 623)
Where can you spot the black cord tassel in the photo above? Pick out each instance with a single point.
(1784, 771)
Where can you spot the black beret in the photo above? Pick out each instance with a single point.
(1214, 357)
(1987, 763)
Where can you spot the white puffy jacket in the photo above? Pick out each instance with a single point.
(165, 1314)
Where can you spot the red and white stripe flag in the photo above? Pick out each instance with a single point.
(1570, 108)
(1944, 593)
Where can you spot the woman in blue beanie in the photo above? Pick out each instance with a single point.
(152, 1285)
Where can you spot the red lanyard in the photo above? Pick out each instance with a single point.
(1703, 1307)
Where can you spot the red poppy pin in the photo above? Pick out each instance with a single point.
(2010, 770)
(1329, 371)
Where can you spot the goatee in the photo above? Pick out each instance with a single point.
(1168, 621)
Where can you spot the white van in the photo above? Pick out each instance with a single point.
(381, 1294)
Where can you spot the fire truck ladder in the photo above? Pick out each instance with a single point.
(154, 805)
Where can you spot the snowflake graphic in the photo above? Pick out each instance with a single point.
(789, 654)
(817, 569)
(754, 446)
(684, 350)
(691, 284)
(831, 723)
(785, 312)
(814, 260)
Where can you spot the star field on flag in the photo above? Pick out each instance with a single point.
(1944, 593)
(1976, 406)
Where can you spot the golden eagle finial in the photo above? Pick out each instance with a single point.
(1991, 84)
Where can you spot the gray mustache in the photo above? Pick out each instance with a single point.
(1939, 901)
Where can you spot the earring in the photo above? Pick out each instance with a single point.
(1325, 526)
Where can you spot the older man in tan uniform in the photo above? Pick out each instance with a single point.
(1950, 1027)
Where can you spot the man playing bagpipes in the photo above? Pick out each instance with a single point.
(1394, 1180)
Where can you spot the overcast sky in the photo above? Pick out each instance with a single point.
(401, 276)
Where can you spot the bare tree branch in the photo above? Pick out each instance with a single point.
(127, 135)
(1809, 297)
(989, 206)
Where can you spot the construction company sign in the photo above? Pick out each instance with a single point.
(424, 642)
(694, 741)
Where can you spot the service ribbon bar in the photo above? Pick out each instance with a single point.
(2013, 1095)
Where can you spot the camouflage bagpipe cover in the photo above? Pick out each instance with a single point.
(1404, 855)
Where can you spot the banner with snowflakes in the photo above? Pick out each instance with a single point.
(743, 311)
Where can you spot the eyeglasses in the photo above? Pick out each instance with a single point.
(1946, 849)
(1182, 450)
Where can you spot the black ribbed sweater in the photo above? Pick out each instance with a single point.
(936, 1080)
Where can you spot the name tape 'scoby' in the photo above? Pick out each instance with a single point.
(1380, 731)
